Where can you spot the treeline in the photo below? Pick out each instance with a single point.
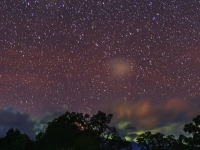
(158, 141)
(70, 131)
(76, 131)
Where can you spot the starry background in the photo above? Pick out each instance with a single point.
(137, 59)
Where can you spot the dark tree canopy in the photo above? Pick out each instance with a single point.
(81, 132)
(157, 141)
(15, 140)
(193, 129)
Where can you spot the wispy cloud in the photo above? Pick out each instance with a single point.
(135, 117)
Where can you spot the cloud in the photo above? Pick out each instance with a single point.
(48, 116)
(11, 117)
(136, 117)
(131, 117)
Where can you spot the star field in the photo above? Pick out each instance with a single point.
(80, 55)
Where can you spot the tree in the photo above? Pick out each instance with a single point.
(15, 140)
(157, 141)
(106, 137)
(60, 133)
(193, 129)
(71, 129)
(179, 145)
(85, 143)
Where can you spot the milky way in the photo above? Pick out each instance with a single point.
(81, 55)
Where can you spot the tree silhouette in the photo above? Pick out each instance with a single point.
(60, 133)
(15, 140)
(85, 143)
(157, 141)
(192, 129)
(69, 131)
(179, 145)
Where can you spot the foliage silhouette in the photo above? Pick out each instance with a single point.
(157, 141)
(75, 131)
(60, 133)
(193, 130)
(85, 143)
(15, 140)
(71, 129)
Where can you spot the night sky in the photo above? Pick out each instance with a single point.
(136, 59)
